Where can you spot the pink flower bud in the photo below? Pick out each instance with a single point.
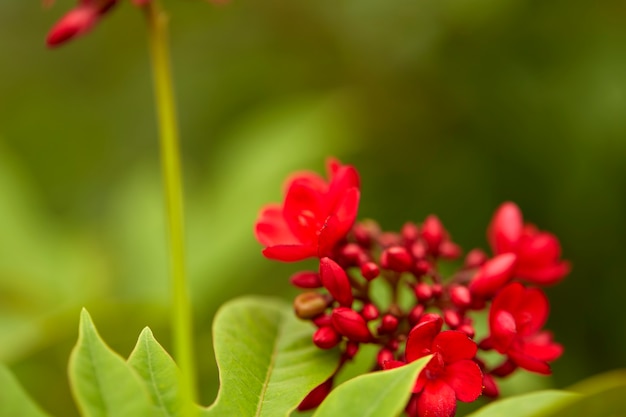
(370, 270)
(475, 258)
(468, 330)
(415, 314)
(369, 312)
(350, 324)
(306, 279)
(388, 324)
(505, 228)
(75, 23)
(423, 292)
(396, 258)
(409, 233)
(352, 348)
(449, 250)
(460, 296)
(493, 275)
(316, 396)
(326, 338)
(433, 233)
(336, 281)
(419, 250)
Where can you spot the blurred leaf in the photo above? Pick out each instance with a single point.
(159, 373)
(103, 384)
(378, 394)
(14, 402)
(266, 358)
(527, 405)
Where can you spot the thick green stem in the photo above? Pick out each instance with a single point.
(170, 158)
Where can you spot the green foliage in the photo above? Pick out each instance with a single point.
(527, 405)
(14, 402)
(103, 384)
(159, 373)
(379, 394)
(266, 359)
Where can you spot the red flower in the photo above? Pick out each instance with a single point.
(516, 317)
(78, 21)
(314, 216)
(538, 253)
(450, 375)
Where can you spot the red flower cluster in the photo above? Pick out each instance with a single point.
(317, 219)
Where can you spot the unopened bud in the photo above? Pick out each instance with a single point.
(352, 348)
(384, 355)
(460, 296)
(505, 369)
(409, 233)
(352, 253)
(415, 314)
(433, 233)
(452, 318)
(475, 258)
(369, 270)
(493, 275)
(396, 258)
(336, 281)
(75, 23)
(419, 250)
(309, 304)
(306, 279)
(326, 338)
(316, 396)
(423, 292)
(437, 290)
(449, 250)
(322, 320)
(490, 388)
(422, 267)
(350, 324)
(388, 324)
(369, 312)
(468, 329)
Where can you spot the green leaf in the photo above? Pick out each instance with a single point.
(159, 373)
(528, 405)
(102, 383)
(266, 358)
(378, 394)
(14, 402)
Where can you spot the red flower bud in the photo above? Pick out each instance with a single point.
(326, 338)
(468, 330)
(369, 312)
(322, 320)
(409, 233)
(493, 275)
(76, 22)
(350, 324)
(437, 290)
(449, 250)
(475, 258)
(306, 279)
(419, 250)
(433, 233)
(370, 270)
(316, 396)
(388, 324)
(384, 355)
(396, 258)
(423, 292)
(490, 388)
(422, 267)
(452, 318)
(415, 314)
(460, 296)
(336, 281)
(352, 348)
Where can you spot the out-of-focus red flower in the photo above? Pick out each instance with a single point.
(314, 216)
(450, 375)
(78, 21)
(316, 396)
(516, 317)
(538, 253)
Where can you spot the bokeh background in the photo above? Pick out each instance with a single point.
(448, 107)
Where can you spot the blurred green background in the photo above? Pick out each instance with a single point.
(446, 107)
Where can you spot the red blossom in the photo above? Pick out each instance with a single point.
(449, 376)
(516, 317)
(314, 217)
(538, 253)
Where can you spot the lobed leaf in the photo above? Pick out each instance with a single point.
(266, 359)
(14, 402)
(159, 373)
(379, 394)
(102, 383)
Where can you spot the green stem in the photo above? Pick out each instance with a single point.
(170, 158)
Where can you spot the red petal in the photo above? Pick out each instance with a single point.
(531, 312)
(539, 249)
(339, 223)
(433, 233)
(465, 378)
(454, 346)
(336, 281)
(309, 179)
(350, 324)
(343, 179)
(529, 363)
(420, 339)
(290, 253)
(503, 330)
(493, 275)
(437, 399)
(271, 228)
(505, 228)
(546, 275)
(303, 211)
(392, 364)
(542, 347)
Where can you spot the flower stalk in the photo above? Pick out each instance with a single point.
(157, 21)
